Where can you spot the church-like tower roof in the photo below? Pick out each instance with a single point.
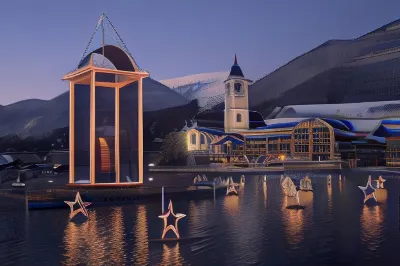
(236, 70)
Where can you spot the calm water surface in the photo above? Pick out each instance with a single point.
(254, 228)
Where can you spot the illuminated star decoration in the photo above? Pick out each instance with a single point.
(368, 190)
(231, 190)
(379, 182)
(82, 206)
(173, 228)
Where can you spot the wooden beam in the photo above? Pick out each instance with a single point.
(140, 130)
(71, 132)
(117, 139)
(106, 84)
(93, 129)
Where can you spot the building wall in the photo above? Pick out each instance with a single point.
(236, 103)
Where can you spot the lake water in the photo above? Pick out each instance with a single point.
(254, 228)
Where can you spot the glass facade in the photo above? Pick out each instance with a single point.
(312, 140)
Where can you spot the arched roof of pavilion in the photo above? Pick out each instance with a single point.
(119, 59)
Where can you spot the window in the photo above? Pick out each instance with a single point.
(239, 118)
(227, 87)
(238, 88)
(193, 139)
(202, 139)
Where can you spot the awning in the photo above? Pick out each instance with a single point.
(224, 139)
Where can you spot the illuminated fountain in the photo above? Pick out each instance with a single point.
(82, 206)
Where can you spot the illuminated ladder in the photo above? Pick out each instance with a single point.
(105, 160)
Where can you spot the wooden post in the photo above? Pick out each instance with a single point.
(140, 130)
(93, 127)
(71, 132)
(116, 139)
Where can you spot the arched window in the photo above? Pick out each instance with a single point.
(193, 139)
(202, 139)
(227, 87)
(238, 118)
(238, 88)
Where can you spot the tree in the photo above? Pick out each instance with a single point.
(174, 148)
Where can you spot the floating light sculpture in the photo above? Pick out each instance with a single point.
(329, 180)
(82, 206)
(265, 178)
(305, 184)
(173, 228)
(242, 180)
(289, 188)
(380, 182)
(368, 190)
(231, 190)
(340, 177)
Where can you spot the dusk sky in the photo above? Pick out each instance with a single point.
(43, 40)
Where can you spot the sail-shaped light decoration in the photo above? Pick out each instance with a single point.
(231, 190)
(305, 184)
(173, 228)
(242, 180)
(265, 178)
(289, 188)
(368, 190)
(82, 206)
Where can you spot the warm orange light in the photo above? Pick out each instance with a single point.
(105, 159)
(82, 206)
(171, 227)
(231, 190)
(282, 157)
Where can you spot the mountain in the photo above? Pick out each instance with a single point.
(365, 69)
(206, 88)
(34, 117)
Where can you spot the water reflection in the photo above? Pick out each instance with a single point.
(141, 252)
(84, 243)
(264, 187)
(372, 221)
(171, 255)
(293, 221)
(231, 204)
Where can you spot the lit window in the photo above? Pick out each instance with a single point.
(193, 139)
(239, 118)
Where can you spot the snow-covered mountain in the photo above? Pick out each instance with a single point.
(207, 88)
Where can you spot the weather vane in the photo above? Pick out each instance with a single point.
(173, 228)
(82, 206)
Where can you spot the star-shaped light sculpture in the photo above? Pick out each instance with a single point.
(173, 228)
(82, 206)
(231, 190)
(380, 182)
(368, 190)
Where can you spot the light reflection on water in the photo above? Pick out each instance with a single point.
(252, 228)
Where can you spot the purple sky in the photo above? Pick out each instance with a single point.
(42, 40)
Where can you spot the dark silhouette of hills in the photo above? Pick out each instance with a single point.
(365, 69)
(38, 118)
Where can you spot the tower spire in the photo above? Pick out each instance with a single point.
(235, 60)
